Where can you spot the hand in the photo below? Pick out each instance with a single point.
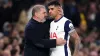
(60, 41)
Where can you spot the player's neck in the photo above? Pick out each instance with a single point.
(58, 17)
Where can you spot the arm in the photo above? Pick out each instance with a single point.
(76, 39)
(35, 37)
(69, 28)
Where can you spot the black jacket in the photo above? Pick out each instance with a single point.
(37, 42)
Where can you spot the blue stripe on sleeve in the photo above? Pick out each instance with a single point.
(66, 26)
(65, 46)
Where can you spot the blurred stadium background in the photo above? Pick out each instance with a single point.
(14, 14)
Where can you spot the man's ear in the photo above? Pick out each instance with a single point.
(36, 14)
(59, 9)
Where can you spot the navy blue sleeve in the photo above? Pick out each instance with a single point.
(68, 27)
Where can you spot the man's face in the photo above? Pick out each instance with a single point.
(42, 14)
(53, 11)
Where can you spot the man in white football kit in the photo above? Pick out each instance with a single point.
(62, 27)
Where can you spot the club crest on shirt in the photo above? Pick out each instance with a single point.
(57, 28)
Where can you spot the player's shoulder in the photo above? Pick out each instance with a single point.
(63, 19)
(66, 20)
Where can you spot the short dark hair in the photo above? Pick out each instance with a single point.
(55, 3)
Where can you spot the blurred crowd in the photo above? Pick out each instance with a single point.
(84, 14)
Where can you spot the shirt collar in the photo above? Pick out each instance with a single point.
(58, 19)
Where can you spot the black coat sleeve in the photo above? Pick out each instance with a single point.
(35, 37)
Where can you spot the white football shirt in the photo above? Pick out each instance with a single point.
(61, 29)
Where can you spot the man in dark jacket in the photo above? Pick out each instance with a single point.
(37, 42)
